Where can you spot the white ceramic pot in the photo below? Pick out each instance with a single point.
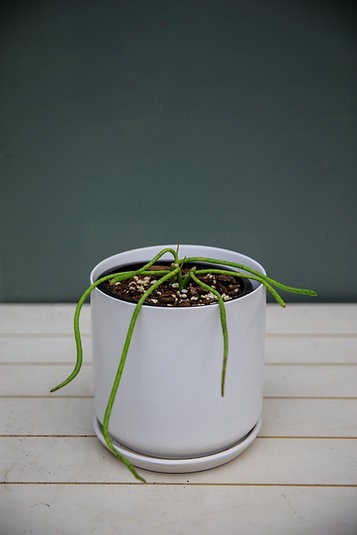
(169, 414)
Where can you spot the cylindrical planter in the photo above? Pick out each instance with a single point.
(169, 414)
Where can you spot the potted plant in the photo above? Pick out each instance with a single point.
(178, 354)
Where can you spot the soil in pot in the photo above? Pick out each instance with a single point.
(169, 294)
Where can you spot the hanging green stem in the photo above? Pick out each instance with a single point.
(301, 291)
(117, 277)
(120, 369)
(222, 313)
(77, 334)
(239, 274)
(114, 277)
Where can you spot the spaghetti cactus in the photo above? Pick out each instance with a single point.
(174, 273)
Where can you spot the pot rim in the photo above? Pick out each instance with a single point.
(99, 268)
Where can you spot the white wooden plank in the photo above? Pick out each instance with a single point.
(270, 461)
(280, 380)
(46, 416)
(295, 318)
(312, 318)
(40, 318)
(293, 348)
(281, 417)
(309, 418)
(311, 381)
(163, 510)
(311, 349)
(20, 380)
(267, 461)
(42, 348)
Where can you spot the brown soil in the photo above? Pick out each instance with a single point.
(168, 294)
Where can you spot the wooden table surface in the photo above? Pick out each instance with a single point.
(299, 476)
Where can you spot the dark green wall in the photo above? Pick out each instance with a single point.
(130, 123)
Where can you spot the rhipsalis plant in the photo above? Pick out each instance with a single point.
(180, 273)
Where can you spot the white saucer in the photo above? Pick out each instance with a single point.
(176, 466)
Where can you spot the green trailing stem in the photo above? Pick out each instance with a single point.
(117, 277)
(77, 335)
(291, 289)
(175, 272)
(222, 312)
(120, 369)
(262, 280)
(114, 277)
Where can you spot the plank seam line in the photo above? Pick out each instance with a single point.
(267, 363)
(84, 396)
(87, 334)
(270, 437)
(45, 397)
(351, 398)
(42, 335)
(311, 335)
(311, 364)
(36, 364)
(171, 484)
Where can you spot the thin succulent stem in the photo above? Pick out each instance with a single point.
(223, 318)
(122, 458)
(121, 365)
(179, 275)
(268, 286)
(181, 279)
(186, 279)
(116, 277)
(292, 289)
(156, 272)
(77, 334)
